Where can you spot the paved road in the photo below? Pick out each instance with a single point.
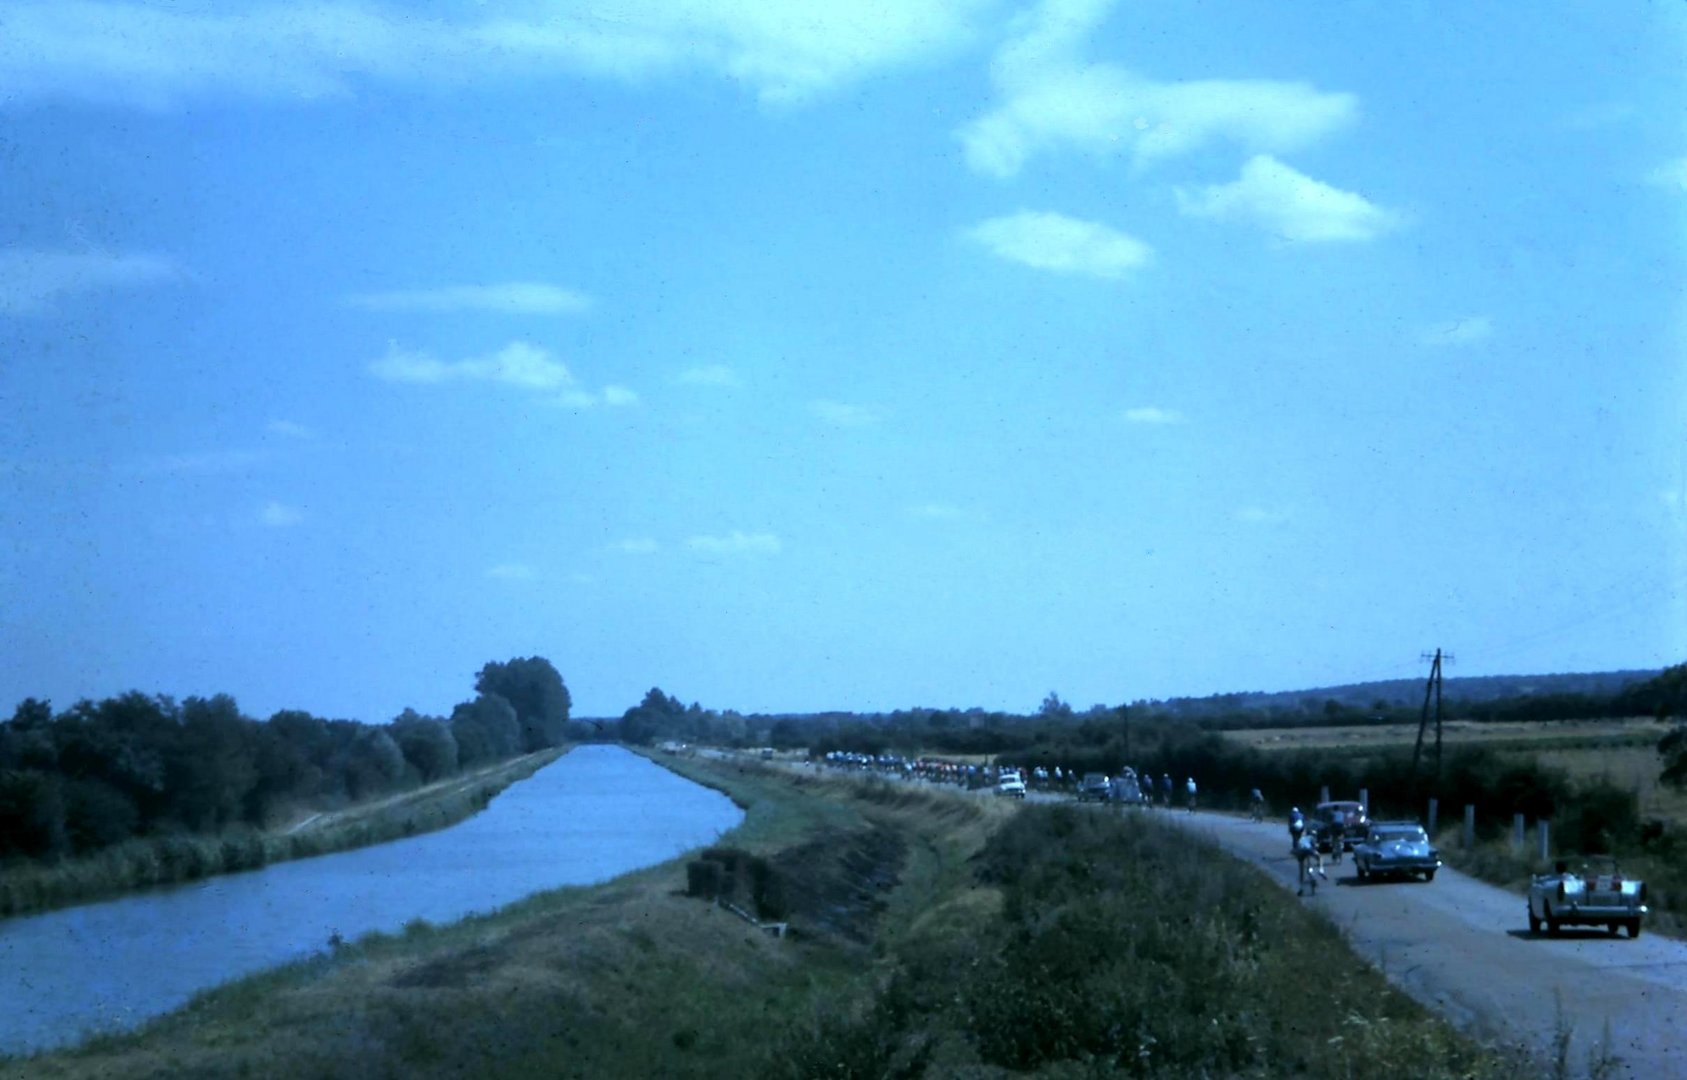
(1464, 947)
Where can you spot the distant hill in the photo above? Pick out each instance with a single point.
(1403, 692)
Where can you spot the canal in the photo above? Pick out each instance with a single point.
(593, 814)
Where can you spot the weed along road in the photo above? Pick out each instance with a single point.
(1464, 948)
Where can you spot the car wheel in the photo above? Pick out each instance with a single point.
(1360, 869)
(1551, 925)
(1611, 928)
(1429, 875)
(1633, 928)
(1534, 922)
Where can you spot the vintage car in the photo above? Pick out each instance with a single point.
(1596, 895)
(1350, 815)
(1126, 790)
(1011, 784)
(1095, 786)
(1395, 849)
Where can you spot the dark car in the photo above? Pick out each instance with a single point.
(1094, 786)
(1350, 816)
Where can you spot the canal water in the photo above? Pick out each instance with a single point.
(593, 814)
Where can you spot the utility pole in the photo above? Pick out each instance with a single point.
(1431, 691)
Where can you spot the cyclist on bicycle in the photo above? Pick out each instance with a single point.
(1256, 805)
(1311, 864)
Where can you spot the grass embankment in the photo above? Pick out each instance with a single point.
(167, 860)
(932, 934)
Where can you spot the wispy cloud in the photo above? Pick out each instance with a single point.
(1671, 175)
(516, 364)
(1259, 515)
(841, 414)
(507, 298)
(708, 375)
(512, 572)
(289, 429)
(1466, 331)
(278, 515)
(1153, 414)
(1045, 240)
(33, 282)
(736, 543)
(612, 396)
(157, 57)
(638, 545)
(1051, 98)
(937, 512)
(1290, 205)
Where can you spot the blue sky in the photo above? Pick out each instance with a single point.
(854, 355)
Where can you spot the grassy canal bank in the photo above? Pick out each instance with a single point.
(931, 934)
(166, 860)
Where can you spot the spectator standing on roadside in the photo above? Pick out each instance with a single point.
(1189, 790)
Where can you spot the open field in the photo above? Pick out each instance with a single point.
(1574, 733)
(932, 934)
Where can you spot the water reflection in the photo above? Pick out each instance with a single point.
(597, 812)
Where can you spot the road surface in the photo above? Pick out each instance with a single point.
(1463, 947)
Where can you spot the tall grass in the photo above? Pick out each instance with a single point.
(1124, 948)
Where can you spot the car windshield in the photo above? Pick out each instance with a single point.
(1384, 836)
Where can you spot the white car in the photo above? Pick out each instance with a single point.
(1597, 895)
(1012, 784)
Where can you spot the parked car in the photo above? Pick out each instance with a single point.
(1010, 783)
(1125, 789)
(1094, 786)
(1596, 895)
(1395, 849)
(1354, 821)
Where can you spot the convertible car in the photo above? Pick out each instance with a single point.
(1596, 895)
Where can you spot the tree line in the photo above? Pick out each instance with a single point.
(138, 765)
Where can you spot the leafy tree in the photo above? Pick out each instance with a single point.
(1053, 707)
(427, 744)
(214, 768)
(486, 729)
(536, 691)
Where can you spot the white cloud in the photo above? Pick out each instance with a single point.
(32, 280)
(637, 545)
(1671, 175)
(1045, 240)
(507, 298)
(1466, 331)
(708, 375)
(937, 512)
(736, 543)
(1257, 515)
(280, 515)
(1151, 414)
(840, 414)
(512, 572)
(612, 396)
(1290, 205)
(289, 429)
(1050, 98)
(516, 364)
(156, 57)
